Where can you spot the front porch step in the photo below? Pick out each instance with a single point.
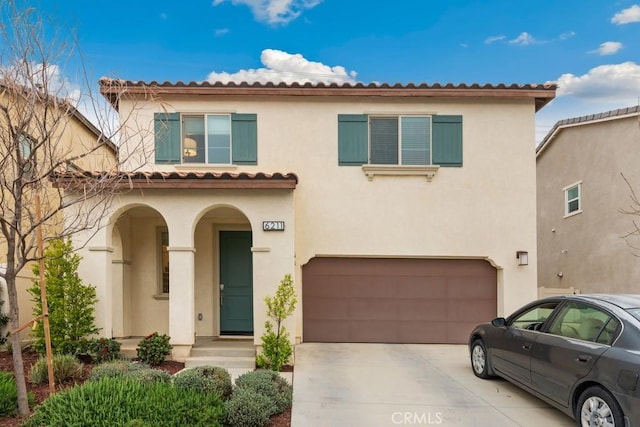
(233, 362)
(226, 353)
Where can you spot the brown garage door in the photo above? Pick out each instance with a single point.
(395, 300)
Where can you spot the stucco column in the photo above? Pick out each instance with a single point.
(181, 300)
(99, 275)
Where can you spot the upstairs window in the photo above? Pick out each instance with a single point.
(25, 148)
(572, 199)
(399, 140)
(205, 138)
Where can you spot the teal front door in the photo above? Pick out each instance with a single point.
(236, 283)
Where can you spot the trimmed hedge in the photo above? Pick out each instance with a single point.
(270, 384)
(247, 408)
(207, 379)
(126, 369)
(122, 402)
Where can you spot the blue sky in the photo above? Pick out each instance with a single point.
(591, 48)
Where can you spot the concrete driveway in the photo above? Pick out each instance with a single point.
(405, 384)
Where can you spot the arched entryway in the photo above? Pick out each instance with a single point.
(140, 272)
(223, 273)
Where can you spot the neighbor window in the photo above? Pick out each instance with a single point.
(221, 139)
(163, 260)
(572, 199)
(25, 147)
(412, 140)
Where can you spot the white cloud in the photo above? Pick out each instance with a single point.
(523, 39)
(627, 16)
(221, 32)
(608, 48)
(285, 67)
(493, 39)
(605, 83)
(274, 11)
(567, 35)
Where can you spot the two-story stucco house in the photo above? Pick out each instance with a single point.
(50, 131)
(399, 210)
(583, 165)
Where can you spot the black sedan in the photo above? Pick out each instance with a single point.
(579, 353)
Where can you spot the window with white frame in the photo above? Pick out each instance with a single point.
(401, 140)
(206, 139)
(220, 139)
(573, 199)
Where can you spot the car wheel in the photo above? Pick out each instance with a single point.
(479, 359)
(597, 407)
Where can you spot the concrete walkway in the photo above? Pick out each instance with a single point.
(405, 384)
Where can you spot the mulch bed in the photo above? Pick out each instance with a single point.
(41, 392)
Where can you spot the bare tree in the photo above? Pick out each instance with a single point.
(59, 171)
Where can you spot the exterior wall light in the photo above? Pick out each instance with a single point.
(523, 257)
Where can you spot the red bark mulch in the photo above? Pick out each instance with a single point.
(41, 392)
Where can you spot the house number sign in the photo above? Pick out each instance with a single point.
(273, 225)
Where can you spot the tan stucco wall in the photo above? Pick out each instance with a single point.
(485, 209)
(588, 248)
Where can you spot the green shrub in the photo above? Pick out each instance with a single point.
(247, 408)
(150, 375)
(65, 368)
(154, 349)
(103, 349)
(207, 379)
(115, 369)
(9, 395)
(121, 402)
(70, 302)
(276, 346)
(269, 384)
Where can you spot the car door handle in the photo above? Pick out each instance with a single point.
(584, 358)
(526, 346)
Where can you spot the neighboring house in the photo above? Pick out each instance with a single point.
(399, 210)
(582, 165)
(69, 136)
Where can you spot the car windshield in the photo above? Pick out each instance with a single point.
(635, 312)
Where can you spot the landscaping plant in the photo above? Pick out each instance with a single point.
(276, 346)
(9, 395)
(103, 349)
(70, 302)
(270, 384)
(65, 368)
(122, 402)
(206, 379)
(248, 408)
(154, 349)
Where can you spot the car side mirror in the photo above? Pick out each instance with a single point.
(499, 322)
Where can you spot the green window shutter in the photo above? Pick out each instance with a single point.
(244, 139)
(353, 142)
(447, 140)
(167, 137)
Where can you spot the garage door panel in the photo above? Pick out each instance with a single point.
(396, 300)
(328, 308)
(373, 309)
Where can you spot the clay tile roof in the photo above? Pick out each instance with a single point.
(181, 180)
(112, 89)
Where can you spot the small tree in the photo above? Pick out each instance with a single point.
(71, 303)
(276, 347)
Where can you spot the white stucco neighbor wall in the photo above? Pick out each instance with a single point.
(484, 209)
